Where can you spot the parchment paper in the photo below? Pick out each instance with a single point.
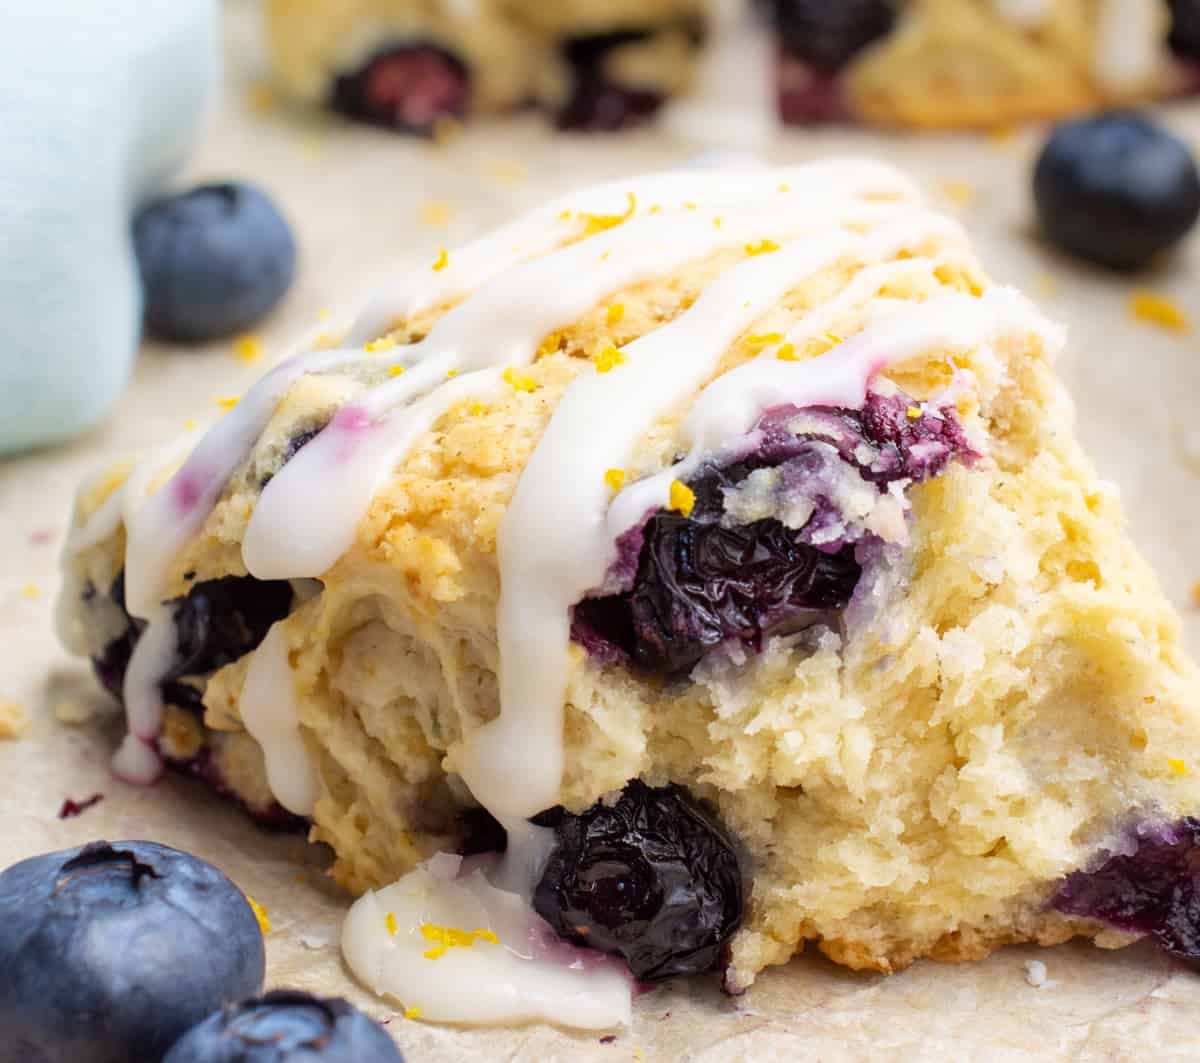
(355, 198)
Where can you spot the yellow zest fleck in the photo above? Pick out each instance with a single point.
(764, 339)
(914, 413)
(189, 425)
(390, 922)
(413, 1013)
(1196, 594)
(616, 311)
(519, 380)
(785, 187)
(718, 222)
(1178, 766)
(436, 212)
(960, 193)
(442, 261)
(228, 402)
(395, 370)
(655, 209)
(762, 247)
(564, 215)
(324, 341)
(384, 343)
(260, 913)
(597, 223)
(507, 172)
(451, 937)
(832, 338)
(1158, 310)
(550, 344)
(1000, 134)
(615, 478)
(690, 205)
(606, 256)
(787, 353)
(682, 498)
(475, 409)
(607, 359)
(324, 314)
(446, 130)
(247, 347)
(31, 590)
(451, 374)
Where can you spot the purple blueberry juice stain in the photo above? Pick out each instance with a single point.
(71, 808)
(408, 86)
(681, 586)
(1150, 886)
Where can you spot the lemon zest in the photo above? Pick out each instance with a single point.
(598, 223)
(616, 311)
(260, 914)
(1178, 766)
(390, 923)
(761, 247)
(442, 261)
(413, 1013)
(247, 347)
(519, 380)
(682, 498)
(607, 358)
(615, 478)
(914, 413)
(395, 370)
(787, 353)
(1159, 310)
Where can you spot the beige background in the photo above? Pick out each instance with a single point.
(356, 199)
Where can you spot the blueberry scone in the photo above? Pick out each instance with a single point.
(593, 64)
(947, 63)
(699, 566)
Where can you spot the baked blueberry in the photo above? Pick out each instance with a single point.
(216, 622)
(111, 951)
(286, 1026)
(407, 87)
(652, 878)
(598, 103)
(1185, 28)
(828, 35)
(1151, 886)
(697, 581)
(1116, 189)
(214, 261)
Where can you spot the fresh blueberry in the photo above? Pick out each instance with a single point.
(652, 878)
(111, 952)
(286, 1026)
(406, 87)
(1151, 886)
(828, 35)
(1185, 28)
(214, 261)
(698, 581)
(1116, 189)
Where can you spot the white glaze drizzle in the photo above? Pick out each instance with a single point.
(269, 710)
(523, 975)
(307, 515)
(502, 324)
(546, 566)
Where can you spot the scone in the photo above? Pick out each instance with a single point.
(979, 63)
(593, 64)
(721, 539)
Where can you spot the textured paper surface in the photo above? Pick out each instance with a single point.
(356, 200)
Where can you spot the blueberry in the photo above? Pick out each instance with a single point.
(111, 952)
(698, 581)
(214, 261)
(1151, 887)
(828, 35)
(216, 622)
(652, 878)
(1185, 28)
(286, 1026)
(598, 103)
(1116, 189)
(406, 87)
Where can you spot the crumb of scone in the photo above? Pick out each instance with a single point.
(14, 721)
